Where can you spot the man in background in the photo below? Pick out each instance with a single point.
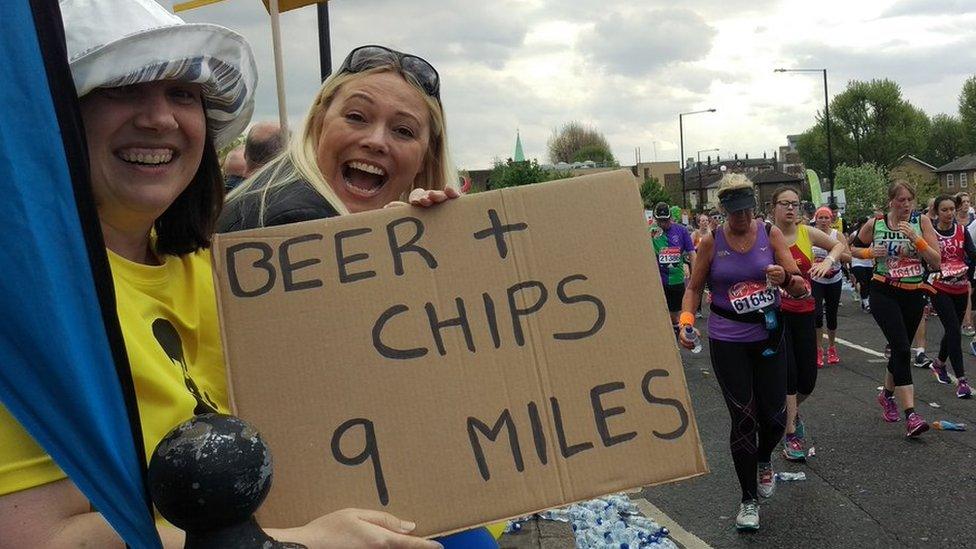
(264, 142)
(233, 168)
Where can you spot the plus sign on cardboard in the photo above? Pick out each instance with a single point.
(492, 356)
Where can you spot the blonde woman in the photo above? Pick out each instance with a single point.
(374, 135)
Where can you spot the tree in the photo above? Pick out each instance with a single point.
(967, 112)
(515, 174)
(865, 187)
(652, 192)
(947, 140)
(871, 124)
(578, 143)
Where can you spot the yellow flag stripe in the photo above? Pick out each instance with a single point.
(193, 4)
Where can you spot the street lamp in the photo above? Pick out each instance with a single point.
(701, 200)
(681, 145)
(830, 154)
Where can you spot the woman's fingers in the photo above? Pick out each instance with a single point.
(425, 198)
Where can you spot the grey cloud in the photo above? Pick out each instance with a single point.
(582, 10)
(930, 7)
(639, 44)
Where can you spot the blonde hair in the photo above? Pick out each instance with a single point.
(299, 161)
(900, 184)
(732, 182)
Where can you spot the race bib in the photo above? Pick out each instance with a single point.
(750, 296)
(903, 267)
(669, 256)
(953, 270)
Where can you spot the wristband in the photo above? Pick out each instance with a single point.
(921, 244)
(865, 253)
(686, 319)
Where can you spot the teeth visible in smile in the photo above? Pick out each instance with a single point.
(161, 157)
(367, 168)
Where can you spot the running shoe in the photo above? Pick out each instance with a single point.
(865, 306)
(832, 357)
(963, 390)
(793, 449)
(767, 481)
(819, 357)
(968, 331)
(939, 369)
(748, 518)
(889, 411)
(922, 360)
(915, 425)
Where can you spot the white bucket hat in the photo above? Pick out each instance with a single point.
(115, 43)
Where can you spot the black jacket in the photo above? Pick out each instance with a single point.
(290, 203)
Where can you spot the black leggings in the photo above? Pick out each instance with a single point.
(829, 293)
(863, 277)
(754, 387)
(800, 342)
(951, 308)
(898, 313)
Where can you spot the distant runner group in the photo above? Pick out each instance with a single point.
(771, 286)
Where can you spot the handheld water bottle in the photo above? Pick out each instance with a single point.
(693, 337)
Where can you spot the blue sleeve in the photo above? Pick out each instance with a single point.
(479, 538)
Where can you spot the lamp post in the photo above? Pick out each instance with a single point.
(681, 146)
(700, 199)
(830, 154)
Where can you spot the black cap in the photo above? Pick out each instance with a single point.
(662, 211)
(738, 199)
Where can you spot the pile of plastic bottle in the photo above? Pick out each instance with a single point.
(609, 522)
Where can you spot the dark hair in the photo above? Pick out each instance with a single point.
(956, 201)
(782, 189)
(188, 224)
(258, 151)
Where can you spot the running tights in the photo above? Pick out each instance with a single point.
(754, 387)
(951, 308)
(863, 277)
(800, 343)
(897, 313)
(829, 295)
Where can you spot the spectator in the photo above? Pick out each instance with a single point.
(234, 168)
(264, 142)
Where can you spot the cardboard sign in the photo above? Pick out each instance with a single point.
(493, 356)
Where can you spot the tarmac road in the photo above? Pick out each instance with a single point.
(867, 485)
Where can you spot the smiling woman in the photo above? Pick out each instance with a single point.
(374, 134)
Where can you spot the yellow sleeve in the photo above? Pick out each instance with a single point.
(23, 463)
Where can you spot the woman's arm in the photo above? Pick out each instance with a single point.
(58, 515)
(928, 244)
(794, 285)
(838, 252)
(699, 272)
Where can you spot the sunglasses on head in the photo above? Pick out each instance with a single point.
(369, 57)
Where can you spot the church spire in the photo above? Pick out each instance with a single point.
(519, 156)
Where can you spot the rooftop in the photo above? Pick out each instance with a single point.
(960, 164)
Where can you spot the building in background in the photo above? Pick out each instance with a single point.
(957, 175)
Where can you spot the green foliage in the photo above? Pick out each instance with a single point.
(967, 112)
(575, 142)
(865, 187)
(947, 140)
(515, 174)
(871, 124)
(652, 192)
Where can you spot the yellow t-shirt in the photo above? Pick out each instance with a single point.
(168, 315)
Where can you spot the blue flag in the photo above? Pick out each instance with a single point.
(60, 377)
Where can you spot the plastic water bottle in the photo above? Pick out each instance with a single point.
(693, 337)
(944, 425)
(771, 321)
(789, 477)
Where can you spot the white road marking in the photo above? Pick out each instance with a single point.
(679, 534)
(846, 343)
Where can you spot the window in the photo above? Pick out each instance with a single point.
(962, 180)
(949, 182)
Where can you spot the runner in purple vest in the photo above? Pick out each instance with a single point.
(743, 262)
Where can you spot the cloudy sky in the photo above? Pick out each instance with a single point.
(627, 67)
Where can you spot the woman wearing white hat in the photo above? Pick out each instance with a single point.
(157, 97)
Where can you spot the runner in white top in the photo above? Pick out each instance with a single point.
(826, 291)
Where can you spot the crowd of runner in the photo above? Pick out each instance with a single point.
(772, 280)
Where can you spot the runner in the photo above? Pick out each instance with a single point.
(861, 269)
(672, 246)
(897, 297)
(964, 218)
(952, 285)
(827, 289)
(742, 263)
(799, 335)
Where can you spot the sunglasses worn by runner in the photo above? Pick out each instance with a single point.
(369, 57)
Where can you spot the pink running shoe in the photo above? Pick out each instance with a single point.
(963, 390)
(832, 357)
(819, 357)
(888, 409)
(915, 425)
(939, 369)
